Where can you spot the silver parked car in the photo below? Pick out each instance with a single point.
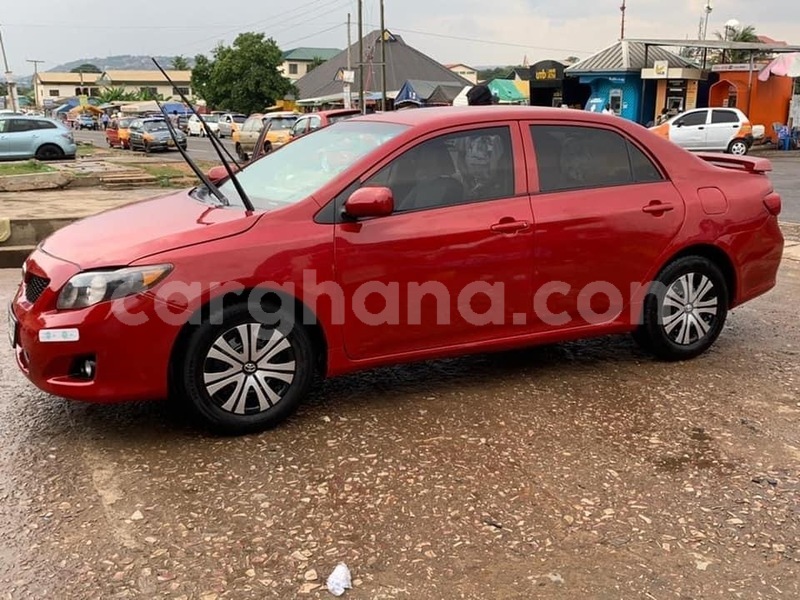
(34, 137)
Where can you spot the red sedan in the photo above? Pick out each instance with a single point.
(392, 238)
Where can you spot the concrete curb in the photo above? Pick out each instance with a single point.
(35, 181)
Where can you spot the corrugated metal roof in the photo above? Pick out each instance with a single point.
(56, 77)
(402, 63)
(121, 77)
(309, 54)
(627, 56)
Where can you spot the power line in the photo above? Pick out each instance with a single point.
(305, 37)
(480, 41)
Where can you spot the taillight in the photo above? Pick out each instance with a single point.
(773, 203)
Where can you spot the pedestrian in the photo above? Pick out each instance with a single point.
(607, 110)
(481, 95)
(173, 119)
(663, 117)
(105, 119)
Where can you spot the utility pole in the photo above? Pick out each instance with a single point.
(383, 57)
(11, 87)
(361, 104)
(35, 76)
(708, 10)
(622, 9)
(348, 98)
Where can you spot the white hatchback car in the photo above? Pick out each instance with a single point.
(195, 127)
(709, 129)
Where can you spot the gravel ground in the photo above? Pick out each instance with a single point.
(583, 470)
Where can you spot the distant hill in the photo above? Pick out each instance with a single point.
(123, 62)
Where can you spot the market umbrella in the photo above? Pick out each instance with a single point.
(786, 65)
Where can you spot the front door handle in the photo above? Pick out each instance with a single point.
(701, 127)
(510, 226)
(657, 208)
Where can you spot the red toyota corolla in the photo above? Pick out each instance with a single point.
(392, 238)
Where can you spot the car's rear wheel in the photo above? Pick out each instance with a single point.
(685, 309)
(241, 153)
(738, 148)
(245, 374)
(49, 152)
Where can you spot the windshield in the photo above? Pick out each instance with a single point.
(281, 123)
(211, 118)
(125, 122)
(299, 169)
(155, 126)
(239, 118)
(336, 118)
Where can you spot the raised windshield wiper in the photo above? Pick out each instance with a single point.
(197, 170)
(215, 143)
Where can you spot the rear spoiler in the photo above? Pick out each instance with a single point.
(740, 163)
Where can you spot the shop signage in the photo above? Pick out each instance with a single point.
(547, 74)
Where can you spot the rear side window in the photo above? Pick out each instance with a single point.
(724, 116)
(575, 157)
(45, 125)
(695, 118)
(17, 125)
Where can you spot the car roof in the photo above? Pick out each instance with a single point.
(451, 116)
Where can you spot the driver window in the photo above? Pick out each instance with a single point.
(459, 168)
(694, 118)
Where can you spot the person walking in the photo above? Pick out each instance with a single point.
(104, 120)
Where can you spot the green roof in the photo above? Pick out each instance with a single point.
(309, 54)
(506, 91)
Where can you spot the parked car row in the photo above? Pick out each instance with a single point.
(24, 137)
(143, 133)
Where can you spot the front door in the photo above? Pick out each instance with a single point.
(452, 265)
(689, 130)
(604, 214)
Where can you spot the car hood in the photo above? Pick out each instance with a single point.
(123, 235)
(164, 135)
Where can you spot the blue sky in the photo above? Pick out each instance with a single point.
(477, 32)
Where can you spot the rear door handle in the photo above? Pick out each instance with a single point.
(657, 208)
(701, 127)
(510, 226)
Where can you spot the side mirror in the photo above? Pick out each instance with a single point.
(370, 202)
(218, 173)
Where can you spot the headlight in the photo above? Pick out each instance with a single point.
(93, 287)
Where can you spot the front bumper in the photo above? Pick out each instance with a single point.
(131, 359)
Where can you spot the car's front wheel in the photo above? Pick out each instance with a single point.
(738, 148)
(249, 372)
(685, 309)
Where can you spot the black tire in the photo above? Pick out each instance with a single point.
(738, 148)
(234, 403)
(241, 153)
(49, 152)
(685, 310)
(202, 133)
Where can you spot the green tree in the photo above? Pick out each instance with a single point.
(86, 68)
(243, 77)
(145, 94)
(116, 94)
(315, 62)
(179, 63)
(746, 33)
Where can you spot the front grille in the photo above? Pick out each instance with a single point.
(34, 287)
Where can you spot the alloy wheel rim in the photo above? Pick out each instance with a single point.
(738, 149)
(689, 309)
(249, 369)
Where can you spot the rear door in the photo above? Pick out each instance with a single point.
(112, 133)
(604, 212)
(725, 126)
(689, 130)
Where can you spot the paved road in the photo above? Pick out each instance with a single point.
(786, 178)
(585, 470)
(199, 148)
